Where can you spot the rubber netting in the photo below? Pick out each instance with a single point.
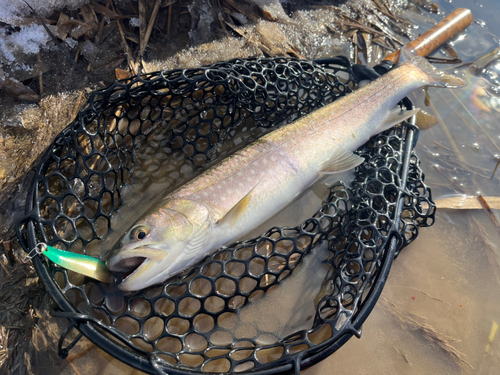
(160, 129)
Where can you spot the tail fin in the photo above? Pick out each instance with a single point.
(436, 77)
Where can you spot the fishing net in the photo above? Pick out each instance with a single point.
(161, 129)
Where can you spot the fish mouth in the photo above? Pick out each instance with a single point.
(133, 265)
(127, 266)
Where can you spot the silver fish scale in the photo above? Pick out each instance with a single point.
(166, 127)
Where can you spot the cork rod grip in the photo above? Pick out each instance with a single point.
(431, 40)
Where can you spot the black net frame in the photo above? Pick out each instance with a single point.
(365, 225)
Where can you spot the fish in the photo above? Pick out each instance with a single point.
(240, 192)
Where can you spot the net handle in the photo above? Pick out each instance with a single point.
(454, 23)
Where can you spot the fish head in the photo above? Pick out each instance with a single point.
(159, 244)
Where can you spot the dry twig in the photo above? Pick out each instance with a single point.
(149, 30)
(489, 211)
(128, 52)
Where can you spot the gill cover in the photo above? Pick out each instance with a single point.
(164, 241)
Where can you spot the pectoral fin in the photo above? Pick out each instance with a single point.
(394, 117)
(235, 212)
(342, 160)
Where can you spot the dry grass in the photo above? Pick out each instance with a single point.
(20, 296)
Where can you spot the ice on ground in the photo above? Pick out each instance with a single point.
(13, 11)
(27, 40)
(135, 22)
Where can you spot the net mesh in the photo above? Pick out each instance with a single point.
(162, 129)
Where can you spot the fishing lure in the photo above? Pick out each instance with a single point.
(79, 263)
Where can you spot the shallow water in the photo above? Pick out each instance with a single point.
(438, 309)
(440, 305)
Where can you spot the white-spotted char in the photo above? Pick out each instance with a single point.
(239, 193)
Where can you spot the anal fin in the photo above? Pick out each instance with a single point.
(425, 120)
(394, 117)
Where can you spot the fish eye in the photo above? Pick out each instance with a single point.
(139, 233)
